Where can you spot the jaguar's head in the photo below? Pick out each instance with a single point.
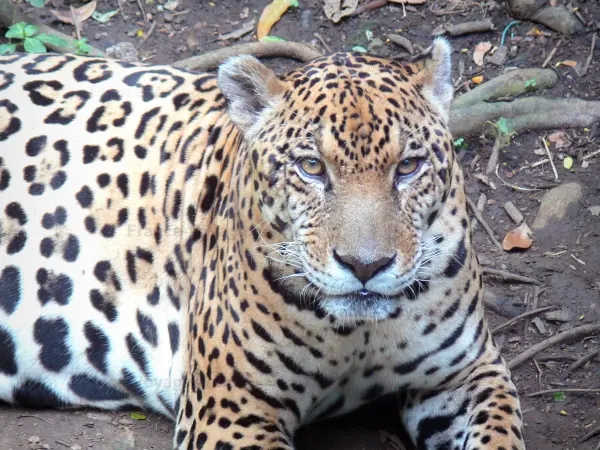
(350, 161)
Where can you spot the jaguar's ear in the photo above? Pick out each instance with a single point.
(250, 88)
(437, 75)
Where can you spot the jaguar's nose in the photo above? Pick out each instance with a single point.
(362, 270)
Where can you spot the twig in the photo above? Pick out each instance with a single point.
(458, 29)
(581, 361)
(591, 155)
(211, 60)
(482, 221)
(514, 186)
(522, 316)
(534, 304)
(588, 62)
(557, 358)
(589, 435)
(34, 416)
(550, 158)
(537, 366)
(507, 276)
(323, 43)
(557, 339)
(148, 34)
(552, 53)
(375, 4)
(493, 161)
(76, 23)
(139, 2)
(247, 27)
(574, 390)
(63, 443)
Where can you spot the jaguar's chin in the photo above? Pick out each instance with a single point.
(361, 305)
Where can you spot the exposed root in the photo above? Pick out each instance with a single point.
(525, 114)
(10, 14)
(557, 18)
(211, 60)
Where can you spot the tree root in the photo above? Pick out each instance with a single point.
(211, 60)
(526, 114)
(557, 18)
(510, 84)
(10, 14)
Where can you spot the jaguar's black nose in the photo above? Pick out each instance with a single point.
(361, 270)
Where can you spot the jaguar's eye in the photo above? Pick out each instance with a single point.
(408, 167)
(312, 167)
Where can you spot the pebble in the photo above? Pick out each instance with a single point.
(124, 51)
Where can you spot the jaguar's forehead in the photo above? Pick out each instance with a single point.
(362, 109)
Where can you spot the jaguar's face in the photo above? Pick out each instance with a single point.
(352, 161)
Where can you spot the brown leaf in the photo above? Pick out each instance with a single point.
(520, 237)
(335, 10)
(480, 50)
(568, 63)
(81, 14)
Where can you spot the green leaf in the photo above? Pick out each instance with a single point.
(16, 31)
(568, 162)
(138, 416)
(358, 48)
(295, 3)
(559, 396)
(460, 143)
(37, 3)
(7, 48)
(34, 45)
(502, 125)
(52, 39)
(272, 39)
(104, 17)
(81, 46)
(30, 30)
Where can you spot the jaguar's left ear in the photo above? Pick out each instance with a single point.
(250, 88)
(437, 75)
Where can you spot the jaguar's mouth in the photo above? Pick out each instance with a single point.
(361, 305)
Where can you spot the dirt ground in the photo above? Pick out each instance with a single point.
(564, 258)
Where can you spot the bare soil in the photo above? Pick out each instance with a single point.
(564, 257)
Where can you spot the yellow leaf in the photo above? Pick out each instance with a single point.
(567, 62)
(568, 162)
(477, 80)
(270, 16)
(581, 317)
(138, 416)
(563, 412)
(212, 4)
(140, 33)
(587, 130)
(534, 32)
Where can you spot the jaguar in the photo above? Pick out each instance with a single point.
(244, 252)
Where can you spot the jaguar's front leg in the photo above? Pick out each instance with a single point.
(482, 412)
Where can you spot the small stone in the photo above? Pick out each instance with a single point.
(125, 422)
(499, 57)
(539, 324)
(76, 447)
(171, 5)
(168, 17)
(34, 439)
(562, 315)
(375, 44)
(123, 51)
(99, 416)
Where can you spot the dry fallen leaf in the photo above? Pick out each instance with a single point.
(594, 210)
(477, 80)
(567, 62)
(81, 14)
(409, 2)
(480, 50)
(534, 32)
(335, 10)
(271, 15)
(520, 237)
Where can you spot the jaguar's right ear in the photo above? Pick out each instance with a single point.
(250, 88)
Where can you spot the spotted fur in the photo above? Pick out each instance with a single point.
(161, 245)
